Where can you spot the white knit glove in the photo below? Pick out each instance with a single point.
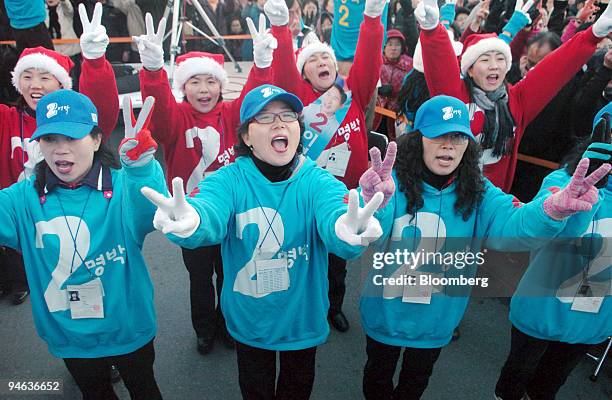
(263, 43)
(94, 39)
(603, 25)
(174, 215)
(357, 226)
(277, 12)
(374, 8)
(150, 45)
(427, 14)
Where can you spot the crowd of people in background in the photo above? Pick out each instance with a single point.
(510, 77)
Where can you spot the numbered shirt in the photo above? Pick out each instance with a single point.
(542, 304)
(345, 28)
(438, 229)
(67, 249)
(256, 220)
(195, 144)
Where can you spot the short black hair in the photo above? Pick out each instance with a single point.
(550, 38)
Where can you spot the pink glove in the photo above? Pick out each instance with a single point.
(378, 177)
(579, 195)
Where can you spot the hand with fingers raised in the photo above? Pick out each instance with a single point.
(603, 25)
(600, 150)
(447, 13)
(520, 19)
(174, 215)
(357, 226)
(263, 42)
(378, 177)
(374, 8)
(150, 45)
(94, 39)
(579, 195)
(277, 12)
(137, 147)
(427, 14)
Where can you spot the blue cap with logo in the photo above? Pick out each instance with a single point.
(259, 97)
(441, 115)
(65, 112)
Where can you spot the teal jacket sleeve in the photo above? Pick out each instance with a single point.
(9, 198)
(214, 202)
(329, 201)
(138, 211)
(511, 225)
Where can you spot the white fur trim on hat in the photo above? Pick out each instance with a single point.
(196, 66)
(42, 62)
(417, 59)
(312, 48)
(474, 51)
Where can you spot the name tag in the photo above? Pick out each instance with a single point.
(414, 292)
(272, 275)
(589, 297)
(86, 300)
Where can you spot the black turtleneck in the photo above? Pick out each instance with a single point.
(274, 173)
(437, 181)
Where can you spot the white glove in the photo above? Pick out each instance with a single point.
(277, 12)
(603, 25)
(374, 8)
(427, 14)
(94, 38)
(174, 215)
(150, 45)
(523, 8)
(263, 43)
(138, 147)
(357, 226)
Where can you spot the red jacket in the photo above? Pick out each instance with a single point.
(525, 99)
(361, 81)
(97, 82)
(194, 143)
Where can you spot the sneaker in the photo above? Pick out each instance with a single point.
(205, 344)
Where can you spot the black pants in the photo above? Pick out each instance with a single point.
(92, 375)
(257, 373)
(537, 367)
(417, 367)
(201, 263)
(12, 270)
(35, 36)
(336, 276)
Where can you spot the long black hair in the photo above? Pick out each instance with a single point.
(409, 167)
(104, 154)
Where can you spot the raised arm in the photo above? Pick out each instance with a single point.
(365, 71)
(97, 76)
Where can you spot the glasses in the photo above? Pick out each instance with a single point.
(268, 118)
(454, 138)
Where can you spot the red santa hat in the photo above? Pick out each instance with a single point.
(417, 59)
(41, 58)
(315, 47)
(478, 44)
(196, 63)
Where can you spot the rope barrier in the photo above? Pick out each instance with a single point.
(129, 39)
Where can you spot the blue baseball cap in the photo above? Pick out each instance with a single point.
(441, 115)
(606, 109)
(65, 112)
(259, 97)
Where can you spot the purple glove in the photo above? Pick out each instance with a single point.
(378, 177)
(579, 195)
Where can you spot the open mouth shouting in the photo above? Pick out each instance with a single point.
(280, 143)
(445, 160)
(64, 167)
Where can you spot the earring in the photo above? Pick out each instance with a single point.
(251, 147)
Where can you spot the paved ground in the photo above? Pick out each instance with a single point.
(466, 370)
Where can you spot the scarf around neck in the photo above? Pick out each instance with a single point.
(498, 127)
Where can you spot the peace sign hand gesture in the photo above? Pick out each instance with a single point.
(579, 195)
(94, 38)
(138, 147)
(150, 45)
(378, 177)
(174, 215)
(263, 43)
(357, 226)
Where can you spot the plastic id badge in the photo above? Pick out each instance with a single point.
(414, 292)
(272, 275)
(589, 297)
(86, 300)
